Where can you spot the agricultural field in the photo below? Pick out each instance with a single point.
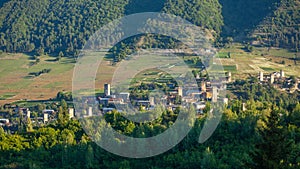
(242, 63)
(17, 84)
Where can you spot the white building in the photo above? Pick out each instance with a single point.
(229, 77)
(90, 112)
(215, 95)
(71, 113)
(107, 89)
(272, 78)
(261, 76)
(124, 96)
(46, 117)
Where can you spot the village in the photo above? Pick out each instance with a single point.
(176, 97)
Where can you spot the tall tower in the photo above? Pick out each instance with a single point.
(71, 113)
(244, 107)
(46, 117)
(152, 102)
(90, 112)
(28, 114)
(281, 74)
(180, 91)
(272, 78)
(203, 86)
(261, 76)
(107, 89)
(215, 95)
(229, 77)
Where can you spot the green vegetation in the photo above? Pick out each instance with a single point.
(62, 27)
(35, 74)
(281, 28)
(260, 59)
(242, 16)
(7, 96)
(53, 26)
(268, 69)
(223, 55)
(203, 13)
(230, 68)
(266, 135)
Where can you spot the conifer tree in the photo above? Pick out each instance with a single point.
(273, 149)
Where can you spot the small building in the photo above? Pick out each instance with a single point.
(48, 111)
(107, 109)
(4, 122)
(200, 106)
(104, 101)
(145, 103)
(225, 101)
(125, 96)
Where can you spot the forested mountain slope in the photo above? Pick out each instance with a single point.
(207, 13)
(242, 16)
(282, 27)
(137, 6)
(52, 26)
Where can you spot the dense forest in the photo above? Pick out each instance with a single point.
(52, 26)
(65, 25)
(265, 135)
(281, 28)
(242, 16)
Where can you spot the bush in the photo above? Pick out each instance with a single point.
(40, 72)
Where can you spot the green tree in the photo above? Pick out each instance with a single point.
(273, 149)
(209, 160)
(29, 127)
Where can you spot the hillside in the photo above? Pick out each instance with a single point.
(242, 16)
(53, 26)
(281, 28)
(63, 26)
(48, 26)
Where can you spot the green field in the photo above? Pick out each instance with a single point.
(15, 84)
(243, 63)
(267, 69)
(222, 55)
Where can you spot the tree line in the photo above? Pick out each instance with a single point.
(263, 134)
